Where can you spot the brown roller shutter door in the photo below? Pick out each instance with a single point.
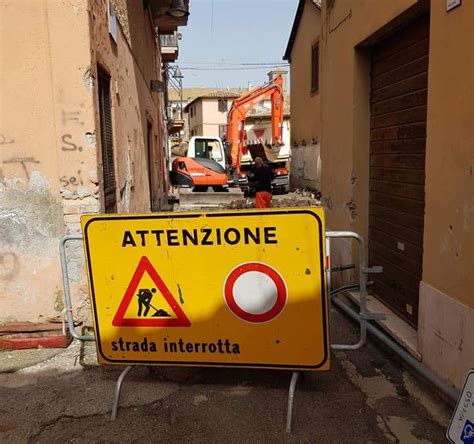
(106, 137)
(398, 108)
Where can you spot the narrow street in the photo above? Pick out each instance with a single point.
(368, 396)
(216, 189)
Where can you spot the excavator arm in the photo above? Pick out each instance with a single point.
(241, 107)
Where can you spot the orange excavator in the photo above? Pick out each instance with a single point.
(201, 170)
(236, 134)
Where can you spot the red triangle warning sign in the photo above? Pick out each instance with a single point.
(145, 301)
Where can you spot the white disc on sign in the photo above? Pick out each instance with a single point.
(255, 292)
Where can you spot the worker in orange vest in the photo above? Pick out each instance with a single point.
(262, 176)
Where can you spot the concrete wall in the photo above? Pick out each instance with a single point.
(305, 105)
(446, 296)
(50, 139)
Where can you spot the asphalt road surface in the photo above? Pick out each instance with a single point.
(368, 396)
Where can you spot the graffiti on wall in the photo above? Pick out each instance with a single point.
(23, 161)
(71, 119)
(68, 145)
(5, 140)
(75, 180)
(71, 116)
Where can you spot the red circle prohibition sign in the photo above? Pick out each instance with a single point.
(281, 297)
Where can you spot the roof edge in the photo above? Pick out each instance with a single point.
(204, 97)
(294, 28)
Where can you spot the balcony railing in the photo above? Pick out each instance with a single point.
(168, 40)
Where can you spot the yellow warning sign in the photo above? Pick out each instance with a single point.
(236, 289)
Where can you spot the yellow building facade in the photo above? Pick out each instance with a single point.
(81, 131)
(396, 93)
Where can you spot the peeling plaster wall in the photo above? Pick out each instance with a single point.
(30, 224)
(132, 62)
(50, 140)
(306, 166)
(47, 147)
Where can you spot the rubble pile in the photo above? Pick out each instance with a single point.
(298, 198)
(290, 201)
(282, 201)
(308, 192)
(239, 204)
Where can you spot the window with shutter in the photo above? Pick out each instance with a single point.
(152, 172)
(222, 105)
(315, 68)
(106, 138)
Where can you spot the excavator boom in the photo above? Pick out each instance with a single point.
(242, 106)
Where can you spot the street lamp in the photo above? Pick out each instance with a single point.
(178, 9)
(177, 73)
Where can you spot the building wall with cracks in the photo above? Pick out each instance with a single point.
(132, 61)
(349, 32)
(50, 170)
(305, 103)
(48, 151)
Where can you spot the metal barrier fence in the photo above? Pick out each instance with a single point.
(363, 317)
(361, 285)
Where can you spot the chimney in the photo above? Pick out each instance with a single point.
(249, 86)
(275, 72)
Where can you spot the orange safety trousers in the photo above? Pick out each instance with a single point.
(263, 199)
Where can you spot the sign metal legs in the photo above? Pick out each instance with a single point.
(291, 395)
(118, 388)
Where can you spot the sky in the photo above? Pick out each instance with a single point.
(228, 33)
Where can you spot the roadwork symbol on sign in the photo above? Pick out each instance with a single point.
(145, 296)
(228, 289)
